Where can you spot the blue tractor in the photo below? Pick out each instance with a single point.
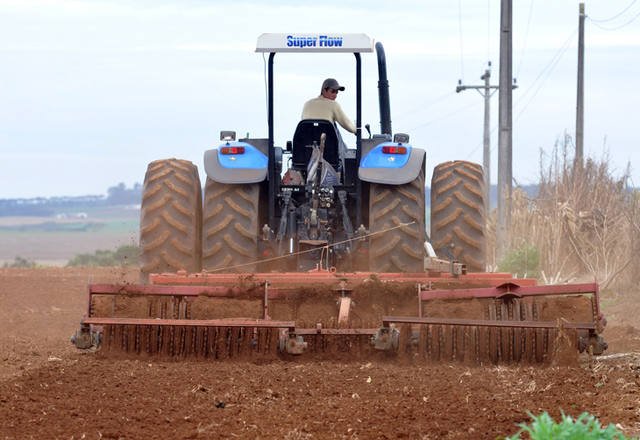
(313, 203)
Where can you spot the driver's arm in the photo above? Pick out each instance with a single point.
(342, 119)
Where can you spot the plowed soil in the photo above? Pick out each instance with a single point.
(48, 389)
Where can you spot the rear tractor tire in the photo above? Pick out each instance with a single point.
(396, 248)
(230, 227)
(170, 218)
(458, 213)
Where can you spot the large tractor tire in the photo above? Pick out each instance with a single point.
(171, 218)
(400, 249)
(230, 227)
(458, 213)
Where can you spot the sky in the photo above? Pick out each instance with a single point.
(92, 91)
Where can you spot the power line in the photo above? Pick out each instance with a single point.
(444, 116)
(615, 16)
(488, 28)
(486, 91)
(427, 104)
(546, 71)
(604, 28)
(481, 143)
(526, 38)
(461, 42)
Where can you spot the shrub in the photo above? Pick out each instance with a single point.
(524, 262)
(583, 222)
(123, 256)
(20, 262)
(585, 427)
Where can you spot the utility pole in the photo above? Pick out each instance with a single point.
(486, 91)
(578, 161)
(505, 138)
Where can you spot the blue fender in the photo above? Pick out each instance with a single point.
(249, 166)
(379, 166)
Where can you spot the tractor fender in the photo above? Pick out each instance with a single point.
(377, 166)
(245, 164)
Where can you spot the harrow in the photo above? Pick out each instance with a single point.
(474, 318)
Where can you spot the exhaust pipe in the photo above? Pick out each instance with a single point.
(383, 91)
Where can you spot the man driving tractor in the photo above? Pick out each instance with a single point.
(325, 106)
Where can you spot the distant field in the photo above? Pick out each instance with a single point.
(52, 241)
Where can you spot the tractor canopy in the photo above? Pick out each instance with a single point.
(323, 42)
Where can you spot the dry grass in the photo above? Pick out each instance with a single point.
(585, 222)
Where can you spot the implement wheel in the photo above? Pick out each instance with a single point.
(230, 227)
(458, 213)
(400, 249)
(170, 218)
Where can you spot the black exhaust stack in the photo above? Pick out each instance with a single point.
(383, 91)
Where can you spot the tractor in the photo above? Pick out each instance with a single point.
(318, 247)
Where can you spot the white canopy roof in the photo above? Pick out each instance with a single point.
(323, 42)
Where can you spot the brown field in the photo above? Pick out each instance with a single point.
(56, 247)
(50, 390)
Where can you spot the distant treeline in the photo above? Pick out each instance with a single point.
(121, 195)
(49, 206)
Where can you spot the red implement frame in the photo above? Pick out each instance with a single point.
(317, 277)
(281, 285)
(181, 290)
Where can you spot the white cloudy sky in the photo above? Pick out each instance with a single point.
(91, 91)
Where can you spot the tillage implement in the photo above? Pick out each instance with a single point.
(320, 249)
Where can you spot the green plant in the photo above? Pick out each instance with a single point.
(20, 262)
(524, 261)
(126, 255)
(585, 427)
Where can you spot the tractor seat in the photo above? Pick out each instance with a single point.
(307, 132)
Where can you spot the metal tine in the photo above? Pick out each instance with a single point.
(189, 345)
(448, 343)
(436, 342)
(169, 340)
(475, 332)
(460, 343)
(106, 338)
(403, 342)
(137, 330)
(177, 341)
(152, 339)
(428, 345)
(212, 336)
(207, 338)
(116, 338)
(466, 345)
(199, 349)
(273, 340)
(234, 341)
(157, 340)
(254, 342)
(261, 340)
(123, 338)
(249, 342)
(222, 345)
(206, 342)
(163, 335)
